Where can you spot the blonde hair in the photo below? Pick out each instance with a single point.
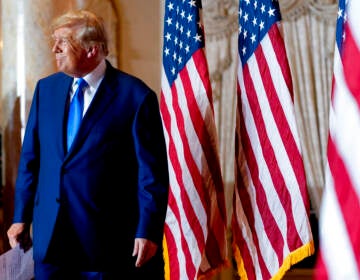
(89, 29)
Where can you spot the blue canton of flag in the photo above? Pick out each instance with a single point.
(340, 37)
(183, 35)
(255, 19)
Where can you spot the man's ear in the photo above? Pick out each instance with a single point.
(92, 51)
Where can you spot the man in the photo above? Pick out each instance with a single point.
(97, 205)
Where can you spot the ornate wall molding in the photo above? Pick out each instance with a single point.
(221, 23)
(220, 18)
(292, 10)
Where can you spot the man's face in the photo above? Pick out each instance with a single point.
(70, 56)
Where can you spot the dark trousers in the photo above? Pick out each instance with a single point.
(52, 272)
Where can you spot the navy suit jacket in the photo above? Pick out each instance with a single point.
(88, 204)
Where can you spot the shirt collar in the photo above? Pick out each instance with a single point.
(95, 77)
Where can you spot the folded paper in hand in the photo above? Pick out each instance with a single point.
(16, 264)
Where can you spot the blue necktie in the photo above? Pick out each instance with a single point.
(75, 112)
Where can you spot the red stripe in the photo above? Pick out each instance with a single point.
(240, 242)
(347, 197)
(320, 273)
(350, 55)
(174, 265)
(280, 52)
(333, 83)
(201, 66)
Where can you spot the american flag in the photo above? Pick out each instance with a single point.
(339, 256)
(195, 227)
(270, 222)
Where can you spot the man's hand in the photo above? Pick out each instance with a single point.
(144, 249)
(19, 233)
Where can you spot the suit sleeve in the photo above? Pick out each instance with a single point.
(153, 169)
(28, 168)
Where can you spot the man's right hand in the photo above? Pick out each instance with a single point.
(19, 233)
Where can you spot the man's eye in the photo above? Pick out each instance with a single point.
(63, 41)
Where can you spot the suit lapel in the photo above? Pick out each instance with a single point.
(61, 92)
(102, 99)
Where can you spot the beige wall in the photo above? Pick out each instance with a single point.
(139, 44)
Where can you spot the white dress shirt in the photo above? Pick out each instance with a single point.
(93, 79)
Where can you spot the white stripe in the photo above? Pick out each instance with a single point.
(335, 245)
(197, 85)
(173, 225)
(264, 176)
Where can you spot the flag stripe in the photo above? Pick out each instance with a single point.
(348, 200)
(351, 74)
(279, 51)
(171, 230)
